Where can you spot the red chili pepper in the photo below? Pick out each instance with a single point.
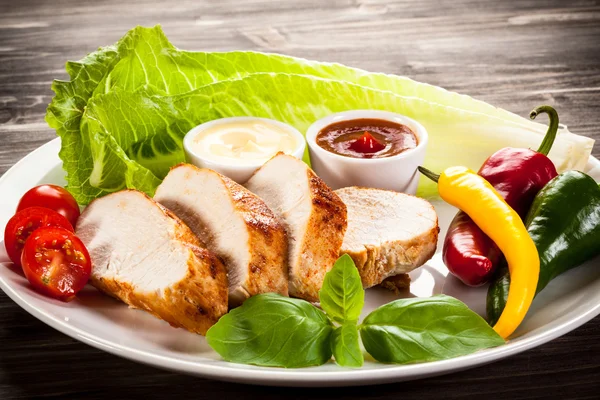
(518, 175)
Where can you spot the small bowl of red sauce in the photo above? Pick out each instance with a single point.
(369, 148)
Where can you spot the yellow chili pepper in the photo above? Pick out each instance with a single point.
(464, 189)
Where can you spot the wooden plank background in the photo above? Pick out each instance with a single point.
(514, 54)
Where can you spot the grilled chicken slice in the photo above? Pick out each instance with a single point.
(145, 256)
(389, 233)
(233, 223)
(314, 217)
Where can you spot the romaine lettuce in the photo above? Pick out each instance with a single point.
(146, 130)
(124, 112)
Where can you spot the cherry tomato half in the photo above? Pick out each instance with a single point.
(53, 197)
(56, 262)
(23, 223)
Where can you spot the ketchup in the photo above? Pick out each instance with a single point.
(366, 138)
(366, 144)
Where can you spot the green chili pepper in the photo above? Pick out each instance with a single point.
(564, 223)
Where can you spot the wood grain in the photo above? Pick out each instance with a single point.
(514, 54)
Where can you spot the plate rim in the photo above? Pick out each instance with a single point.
(290, 377)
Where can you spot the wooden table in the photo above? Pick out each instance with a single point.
(514, 54)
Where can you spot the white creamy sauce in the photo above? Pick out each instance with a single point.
(243, 142)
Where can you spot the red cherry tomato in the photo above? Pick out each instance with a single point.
(56, 262)
(53, 197)
(23, 223)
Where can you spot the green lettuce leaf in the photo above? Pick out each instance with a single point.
(147, 58)
(65, 111)
(101, 156)
(148, 128)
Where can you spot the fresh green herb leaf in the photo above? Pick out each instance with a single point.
(342, 295)
(425, 329)
(274, 331)
(345, 346)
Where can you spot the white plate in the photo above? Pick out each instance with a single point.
(569, 301)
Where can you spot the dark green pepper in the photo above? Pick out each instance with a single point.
(564, 223)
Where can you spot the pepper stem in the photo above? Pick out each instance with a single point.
(431, 175)
(552, 128)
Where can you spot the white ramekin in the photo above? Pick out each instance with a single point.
(239, 173)
(397, 172)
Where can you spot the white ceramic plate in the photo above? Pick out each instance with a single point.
(569, 301)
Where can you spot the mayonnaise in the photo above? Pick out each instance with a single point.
(244, 142)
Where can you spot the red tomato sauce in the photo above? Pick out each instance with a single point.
(367, 138)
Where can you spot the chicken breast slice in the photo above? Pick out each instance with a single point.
(233, 223)
(389, 233)
(314, 217)
(145, 256)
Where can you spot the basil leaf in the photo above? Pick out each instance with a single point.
(342, 295)
(425, 329)
(345, 346)
(274, 331)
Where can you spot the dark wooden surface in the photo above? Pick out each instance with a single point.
(514, 54)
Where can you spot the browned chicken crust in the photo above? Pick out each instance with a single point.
(321, 246)
(383, 258)
(193, 303)
(324, 220)
(267, 240)
(196, 302)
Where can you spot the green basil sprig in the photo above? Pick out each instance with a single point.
(345, 345)
(342, 295)
(272, 330)
(342, 298)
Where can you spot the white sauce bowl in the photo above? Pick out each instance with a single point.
(238, 173)
(397, 172)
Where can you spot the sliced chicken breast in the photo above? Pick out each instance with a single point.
(233, 223)
(389, 233)
(314, 217)
(145, 256)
